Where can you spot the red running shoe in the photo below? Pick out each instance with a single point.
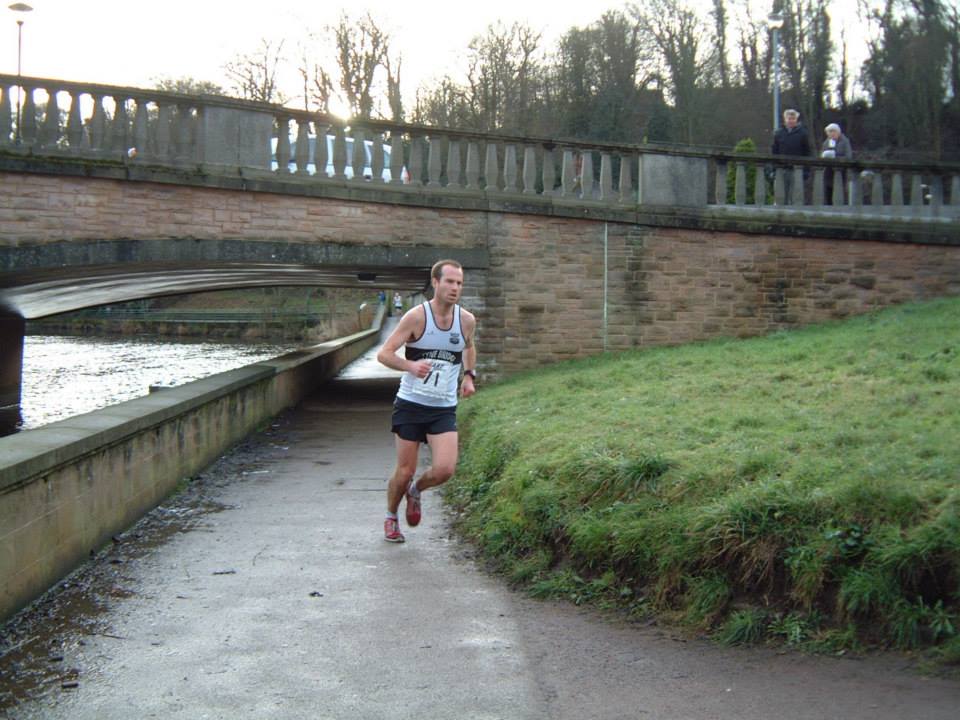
(391, 531)
(413, 508)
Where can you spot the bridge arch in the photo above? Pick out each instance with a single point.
(55, 277)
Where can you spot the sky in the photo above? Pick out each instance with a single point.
(132, 42)
(135, 43)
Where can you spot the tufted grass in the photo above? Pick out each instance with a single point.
(802, 487)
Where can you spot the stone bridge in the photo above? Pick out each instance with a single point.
(110, 194)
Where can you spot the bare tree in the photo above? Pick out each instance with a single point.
(254, 75)
(355, 68)
(504, 88)
(843, 80)
(600, 81)
(188, 86)
(445, 105)
(676, 32)
(303, 69)
(807, 53)
(361, 48)
(909, 70)
(503, 78)
(720, 23)
(755, 59)
(318, 85)
(952, 23)
(394, 98)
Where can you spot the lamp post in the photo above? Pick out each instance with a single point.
(19, 8)
(775, 22)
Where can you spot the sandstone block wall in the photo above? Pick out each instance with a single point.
(49, 208)
(545, 288)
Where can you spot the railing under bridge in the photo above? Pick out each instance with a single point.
(43, 117)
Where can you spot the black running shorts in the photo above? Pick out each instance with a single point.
(413, 421)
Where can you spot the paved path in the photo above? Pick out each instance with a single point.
(266, 591)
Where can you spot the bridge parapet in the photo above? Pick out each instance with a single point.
(898, 190)
(57, 117)
(228, 136)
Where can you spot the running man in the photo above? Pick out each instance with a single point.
(438, 336)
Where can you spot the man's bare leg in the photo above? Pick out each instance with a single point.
(407, 451)
(444, 450)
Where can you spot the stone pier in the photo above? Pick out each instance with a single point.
(11, 364)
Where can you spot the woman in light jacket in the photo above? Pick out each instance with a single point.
(837, 145)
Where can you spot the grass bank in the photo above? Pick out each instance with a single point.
(804, 486)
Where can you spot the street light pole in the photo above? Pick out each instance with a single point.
(19, 8)
(775, 21)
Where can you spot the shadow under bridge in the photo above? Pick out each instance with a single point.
(52, 278)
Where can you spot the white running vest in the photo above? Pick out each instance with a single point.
(443, 349)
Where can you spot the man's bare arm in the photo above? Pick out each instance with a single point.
(406, 330)
(469, 322)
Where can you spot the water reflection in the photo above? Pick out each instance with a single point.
(66, 376)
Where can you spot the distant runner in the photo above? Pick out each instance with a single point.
(438, 336)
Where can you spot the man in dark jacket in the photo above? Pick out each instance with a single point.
(791, 139)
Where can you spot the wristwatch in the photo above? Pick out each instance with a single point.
(471, 373)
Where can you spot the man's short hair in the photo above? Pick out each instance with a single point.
(436, 272)
(832, 126)
(790, 112)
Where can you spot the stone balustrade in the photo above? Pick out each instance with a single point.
(843, 187)
(48, 117)
(52, 117)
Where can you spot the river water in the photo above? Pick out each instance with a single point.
(66, 376)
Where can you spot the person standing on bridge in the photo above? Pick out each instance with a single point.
(791, 139)
(837, 145)
(438, 341)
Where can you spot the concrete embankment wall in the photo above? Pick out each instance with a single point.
(65, 488)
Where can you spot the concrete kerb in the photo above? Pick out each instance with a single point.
(30, 453)
(65, 488)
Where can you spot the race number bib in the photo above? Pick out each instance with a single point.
(438, 381)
